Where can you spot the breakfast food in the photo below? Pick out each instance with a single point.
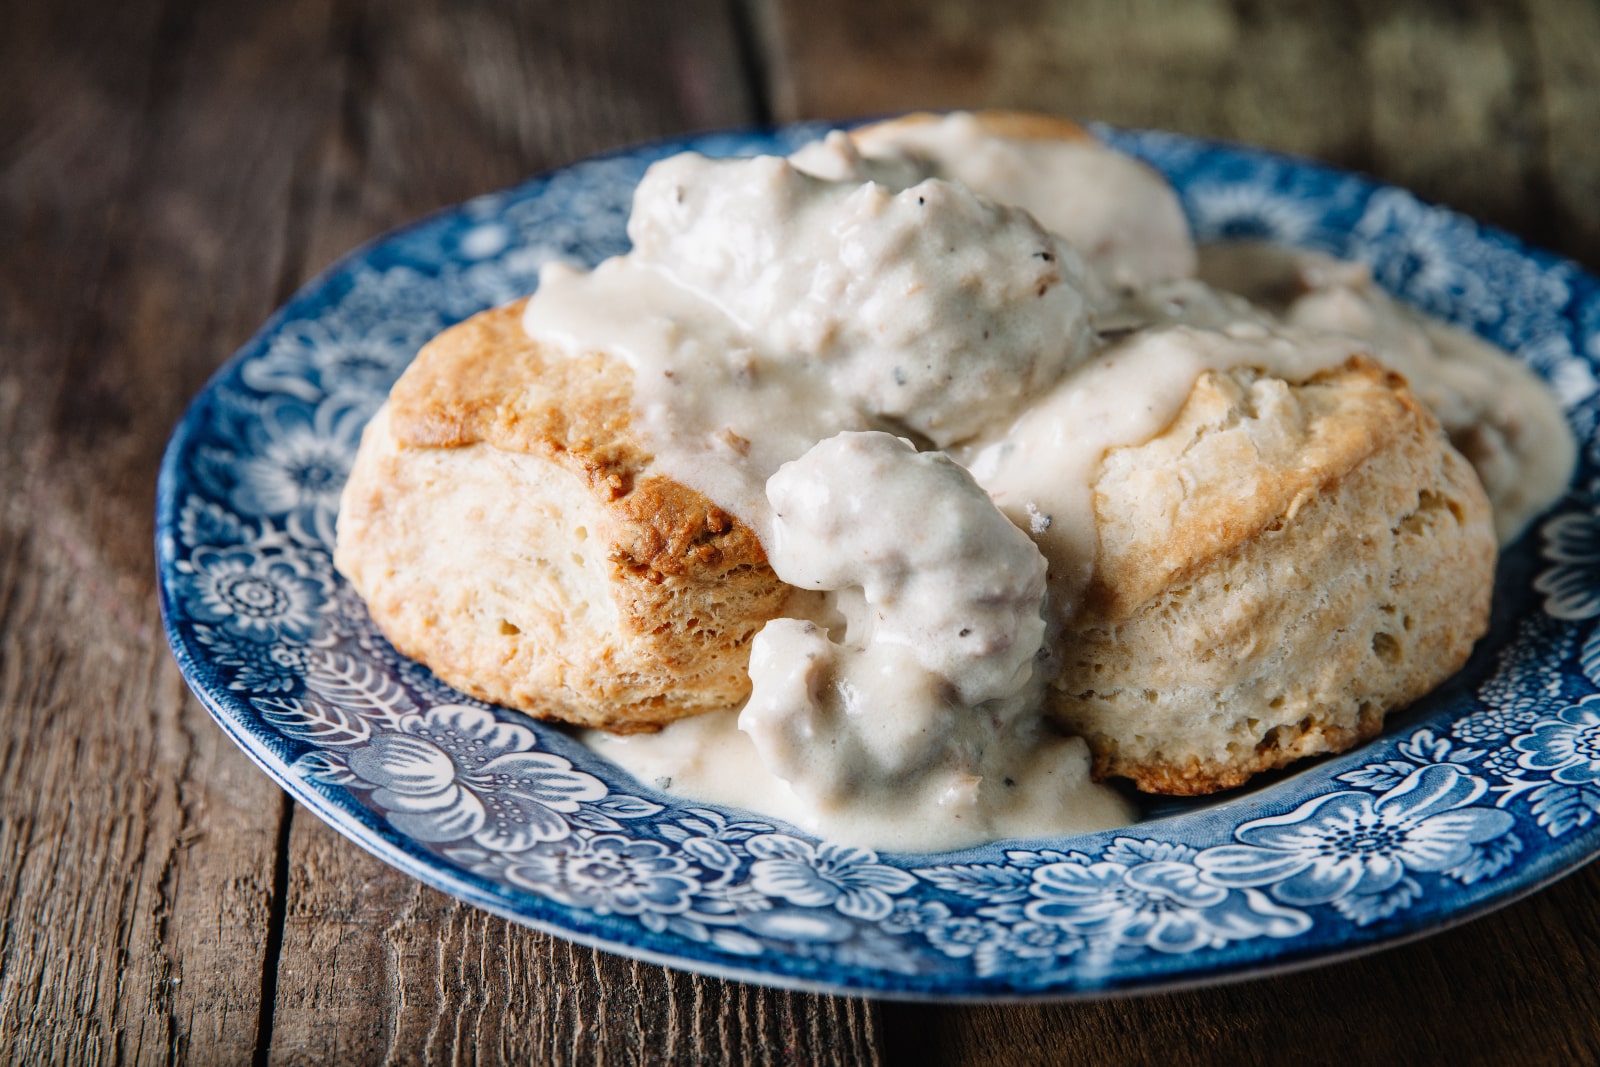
(1277, 569)
(928, 447)
(503, 525)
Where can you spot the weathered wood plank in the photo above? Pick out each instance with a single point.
(1519, 986)
(1483, 106)
(149, 152)
(373, 966)
(439, 108)
(1284, 74)
(1565, 35)
(376, 967)
(336, 1000)
(1298, 82)
(1153, 61)
(62, 825)
(1455, 110)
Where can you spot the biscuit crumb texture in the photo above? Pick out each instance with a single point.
(503, 527)
(1279, 568)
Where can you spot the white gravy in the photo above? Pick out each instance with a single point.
(1117, 212)
(869, 318)
(1045, 791)
(1498, 413)
(805, 335)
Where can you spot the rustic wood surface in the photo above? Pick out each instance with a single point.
(170, 170)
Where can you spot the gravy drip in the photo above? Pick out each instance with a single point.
(1498, 413)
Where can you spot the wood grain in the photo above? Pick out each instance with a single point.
(1568, 95)
(1486, 106)
(170, 170)
(376, 967)
(138, 842)
(1469, 68)
(438, 108)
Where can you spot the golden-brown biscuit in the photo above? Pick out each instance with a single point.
(503, 526)
(1015, 125)
(1279, 568)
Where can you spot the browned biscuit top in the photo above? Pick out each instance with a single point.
(1254, 482)
(1017, 125)
(485, 380)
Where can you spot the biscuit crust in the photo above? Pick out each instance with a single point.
(1278, 569)
(504, 527)
(1016, 125)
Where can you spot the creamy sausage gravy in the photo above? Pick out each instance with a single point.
(900, 358)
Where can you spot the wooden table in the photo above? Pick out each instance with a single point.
(171, 170)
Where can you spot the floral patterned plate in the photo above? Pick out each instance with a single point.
(1483, 792)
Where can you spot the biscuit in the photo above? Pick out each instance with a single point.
(504, 528)
(1014, 125)
(1279, 568)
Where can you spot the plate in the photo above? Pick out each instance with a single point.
(1482, 792)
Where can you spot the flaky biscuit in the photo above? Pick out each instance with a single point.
(1015, 125)
(503, 526)
(1279, 568)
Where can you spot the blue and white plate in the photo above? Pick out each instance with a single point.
(1483, 792)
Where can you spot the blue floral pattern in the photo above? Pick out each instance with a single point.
(457, 772)
(254, 597)
(607, 874)
(821, 876)
(1488, 786)
(1572, 586)
(1358, 852)
(1152, 894)
(1567, 746)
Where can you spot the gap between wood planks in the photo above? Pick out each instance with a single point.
(277, 914)
(349, 33)
(582, 1004)
(763, 71)
(750, 22)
